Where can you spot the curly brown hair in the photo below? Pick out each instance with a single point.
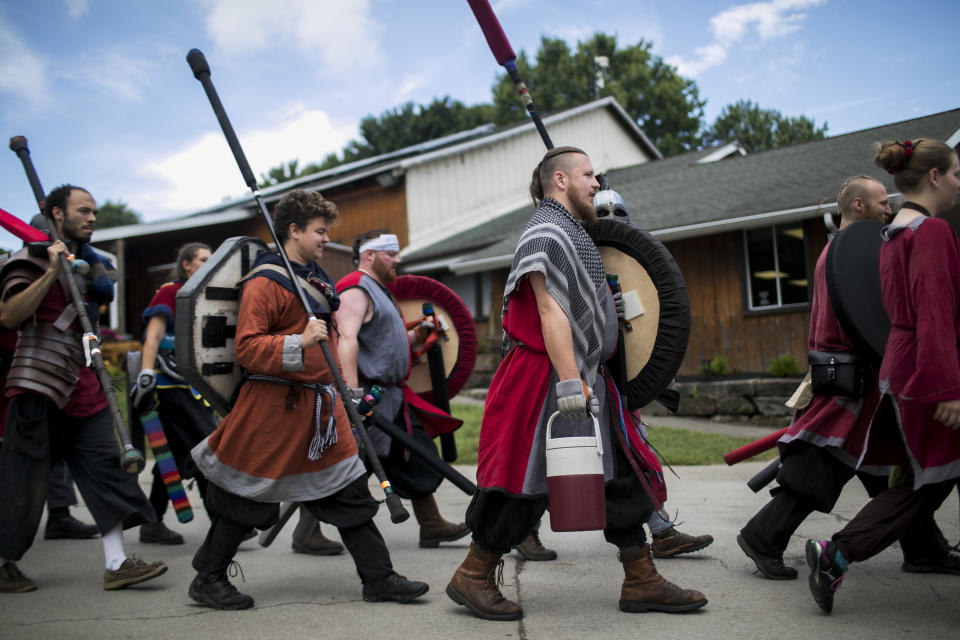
(299, 207)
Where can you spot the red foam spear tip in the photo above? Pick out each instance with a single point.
(21, 229)
(754, 448)
(492, 31)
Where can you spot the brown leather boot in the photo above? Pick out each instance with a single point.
(316, 544)
(433, 528)
(646, 590)
(476, 585)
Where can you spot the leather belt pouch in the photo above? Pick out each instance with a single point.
(837, 374)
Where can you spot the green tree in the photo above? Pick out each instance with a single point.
(115, 214)
(665, 105)
(411, 124)
(757, 129)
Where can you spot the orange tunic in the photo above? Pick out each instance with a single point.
(259, 450)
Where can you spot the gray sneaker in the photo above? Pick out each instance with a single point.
(12, 579)
(132, 571)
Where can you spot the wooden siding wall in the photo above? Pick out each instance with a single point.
(451, 193)
(713, 269)
(367, 206)
(363, 206)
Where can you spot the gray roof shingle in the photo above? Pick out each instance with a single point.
(676, 192)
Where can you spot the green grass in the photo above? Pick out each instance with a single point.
(677, 446)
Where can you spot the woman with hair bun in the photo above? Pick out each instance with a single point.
(920, 373)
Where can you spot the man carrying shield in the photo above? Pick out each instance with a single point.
(559, 314)
(375, 348)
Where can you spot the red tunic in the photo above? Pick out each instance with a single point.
(920, 279)
(835, 421)
(259, 450)
(508, 453)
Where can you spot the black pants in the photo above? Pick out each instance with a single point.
(410, 476)
(811, 479)
(186, 422)
(500, 521)
(37, 433)
(351, 510)
(60, 493)
(891, 515)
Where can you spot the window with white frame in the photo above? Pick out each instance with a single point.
(777, 269)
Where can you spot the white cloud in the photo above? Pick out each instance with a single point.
(116, 72)
(204, 172)
(23, 72)
(343, 33)
(77, 8)
(767, 20)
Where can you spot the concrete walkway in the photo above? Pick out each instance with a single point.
(300, 596)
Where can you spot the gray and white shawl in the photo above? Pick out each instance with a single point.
(557, 245)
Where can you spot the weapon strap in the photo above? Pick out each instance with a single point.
(631, 458)
(308, 288)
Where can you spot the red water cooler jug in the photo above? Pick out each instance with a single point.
(575, 481)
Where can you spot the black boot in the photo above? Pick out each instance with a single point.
(214, 590)
(393, 587)
(211, 587)
(60, 525)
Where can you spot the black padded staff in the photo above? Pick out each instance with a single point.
(131, 459)
(201, 70)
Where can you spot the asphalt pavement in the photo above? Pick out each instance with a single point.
(300, 596)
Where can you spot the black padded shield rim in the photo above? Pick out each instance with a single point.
(853, 285)
(408, 287)
(673, 331)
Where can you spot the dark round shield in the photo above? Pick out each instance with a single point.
(459, 349)
(651, 283)
(853, 284)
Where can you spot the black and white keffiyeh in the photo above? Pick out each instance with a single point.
(557, 245)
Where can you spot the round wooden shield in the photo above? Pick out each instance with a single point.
(459, 349)
(656, 306)
(853, 284)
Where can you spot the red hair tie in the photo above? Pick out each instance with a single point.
(907, 152)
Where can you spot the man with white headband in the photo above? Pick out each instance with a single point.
(375, 348)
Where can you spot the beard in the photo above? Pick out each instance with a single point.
(385, 273)
(585, 213)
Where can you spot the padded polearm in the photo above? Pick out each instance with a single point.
(201, 71)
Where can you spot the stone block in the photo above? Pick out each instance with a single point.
(702, 405)
(735, 405)
(772, 405)
(743, 388)
(770, 421)
(776, 386)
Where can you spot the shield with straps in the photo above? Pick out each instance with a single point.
(459, 348)
(853, 285)
(656, 306)
(206, 322)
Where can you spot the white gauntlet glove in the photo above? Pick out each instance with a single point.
(574, 398)
(141, 394)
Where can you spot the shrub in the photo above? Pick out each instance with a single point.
(716, 367)
(785, 366)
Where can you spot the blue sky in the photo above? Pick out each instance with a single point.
(102, 91)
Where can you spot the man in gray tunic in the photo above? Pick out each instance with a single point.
(375, 349)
